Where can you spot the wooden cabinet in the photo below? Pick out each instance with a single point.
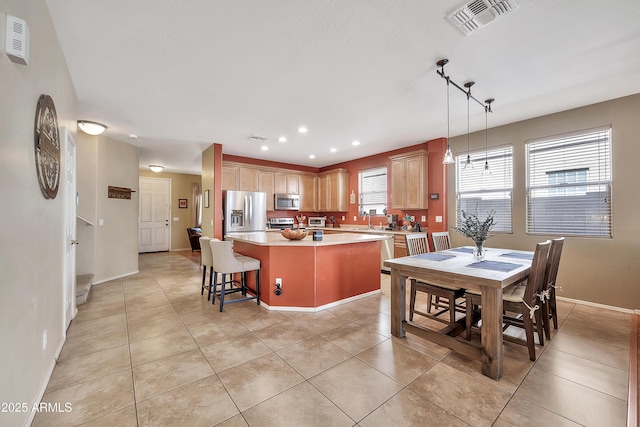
(308, 193)
(230, 177)
(248, 179)
(286, 183)
(399, 246)
(332, 191)
(266, 185)
(409, 180)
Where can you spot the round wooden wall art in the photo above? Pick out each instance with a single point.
(47, 147)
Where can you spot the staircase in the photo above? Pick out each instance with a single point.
(83, 286)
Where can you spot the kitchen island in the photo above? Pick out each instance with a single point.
(315, 274)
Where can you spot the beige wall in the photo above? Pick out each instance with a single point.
(32, 232)
(603, 271)
(207, 184)
(181, 188)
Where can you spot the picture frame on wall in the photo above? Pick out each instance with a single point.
(182, 204)
(206, 198)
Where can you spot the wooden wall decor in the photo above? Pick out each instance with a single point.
(120, 192)
(47, 147)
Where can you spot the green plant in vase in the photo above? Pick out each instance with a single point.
(477, 230)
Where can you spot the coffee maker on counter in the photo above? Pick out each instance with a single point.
(392, 220)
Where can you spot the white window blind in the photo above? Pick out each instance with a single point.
(372, 186)
(476, 191)
(569, 184)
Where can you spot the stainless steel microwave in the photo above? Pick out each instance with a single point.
(287, 202)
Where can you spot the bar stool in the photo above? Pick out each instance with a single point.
(206, 260)
(225, 262)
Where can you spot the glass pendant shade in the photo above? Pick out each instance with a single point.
(486, 170)
(448, 157)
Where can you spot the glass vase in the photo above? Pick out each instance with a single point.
(479, 251)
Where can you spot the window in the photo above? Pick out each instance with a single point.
(569, 184)
(372, 186)
(477, 191)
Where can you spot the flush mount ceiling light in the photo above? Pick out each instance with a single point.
(156, 168)
(91, 128)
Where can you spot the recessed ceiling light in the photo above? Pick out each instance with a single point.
(333, 150)
(264, 148)
(282, 139)
(312, 156)
(133, 136)
(302, 129)
(355, 143)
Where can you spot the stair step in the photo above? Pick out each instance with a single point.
(83, 286)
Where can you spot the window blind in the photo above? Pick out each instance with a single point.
(372, 186)
(476, 191)
(569, 184)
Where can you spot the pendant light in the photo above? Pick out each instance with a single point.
(468, 164)
(448, 155)
(487, 110)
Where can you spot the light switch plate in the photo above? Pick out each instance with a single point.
(423, 218)
(438, 218)
(175, 218)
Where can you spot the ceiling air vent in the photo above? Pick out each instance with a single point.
(257, 138)
(475, 15)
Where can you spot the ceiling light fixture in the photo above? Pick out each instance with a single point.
(468, 163)
(312, 156)
(448, 156)
(133, 136)
(91, 128)
(355, 143)
(333, 150)
(264, 148)
(487, 110)
(302, 129)
(282, 139)
(156, 168)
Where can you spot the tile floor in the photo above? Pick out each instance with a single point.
(148, 350)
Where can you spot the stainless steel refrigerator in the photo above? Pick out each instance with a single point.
(244, 211)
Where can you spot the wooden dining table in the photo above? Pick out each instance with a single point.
(458, 267)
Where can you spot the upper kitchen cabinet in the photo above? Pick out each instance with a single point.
(266, 185)
(308, 192)
(409, 180)
(286, 183)
(230, 177)
(248, 179)
(332, 191)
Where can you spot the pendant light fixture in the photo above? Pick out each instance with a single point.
(448, 155)
(487, 110)
(468, 164)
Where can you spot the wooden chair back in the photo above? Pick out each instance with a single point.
(536, 278)
(441, 241)
(417, 243)
(553, 262)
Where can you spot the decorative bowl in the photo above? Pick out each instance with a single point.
(294, 234)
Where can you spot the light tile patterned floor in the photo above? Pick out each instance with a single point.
(148, 350)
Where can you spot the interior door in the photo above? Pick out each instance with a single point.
(70, 242)
(154, 225)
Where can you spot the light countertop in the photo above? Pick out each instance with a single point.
(276, 239)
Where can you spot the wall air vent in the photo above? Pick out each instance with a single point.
(475, 15)
(17, 40)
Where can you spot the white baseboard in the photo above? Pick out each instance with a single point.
(596, 305)
(115, 277)
(322, 307)
(44, 385)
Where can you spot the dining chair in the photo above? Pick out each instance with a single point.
(523, 300)
(548, 291)
(225, 262)
(417, 243)
(441, 240)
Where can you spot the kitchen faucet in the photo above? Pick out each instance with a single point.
(366, 215)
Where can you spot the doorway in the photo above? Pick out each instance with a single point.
(153, 220)
(70, 242)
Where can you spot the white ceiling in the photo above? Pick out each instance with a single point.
(183, 74)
